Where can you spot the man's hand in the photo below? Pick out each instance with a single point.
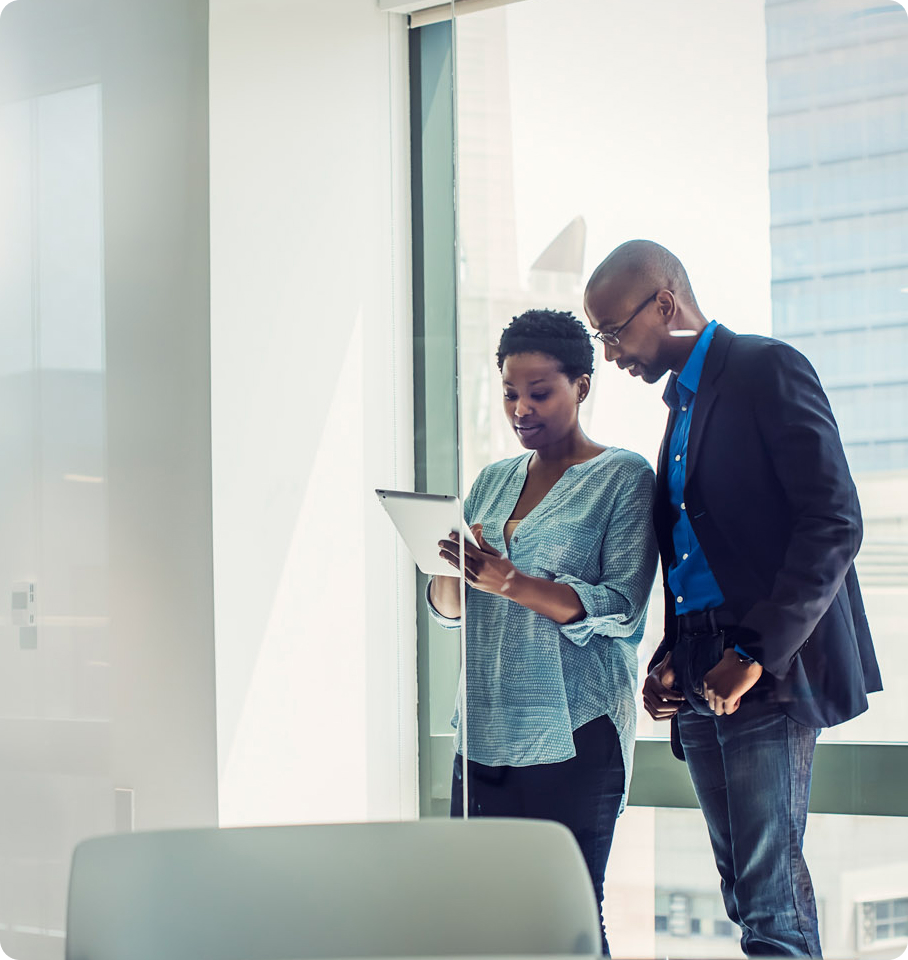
(485, 569)
(659, 699)
(728, 681)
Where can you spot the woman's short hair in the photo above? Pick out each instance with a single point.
(557, 333)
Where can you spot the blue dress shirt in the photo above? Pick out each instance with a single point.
(690, 578)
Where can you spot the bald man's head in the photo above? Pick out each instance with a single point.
(640, 299)
(640, 265)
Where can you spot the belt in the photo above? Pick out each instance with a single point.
(707, 621)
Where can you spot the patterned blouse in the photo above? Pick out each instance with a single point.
(531, 681)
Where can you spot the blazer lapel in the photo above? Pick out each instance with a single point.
(706, 394)
(661, 511)
(662, 462)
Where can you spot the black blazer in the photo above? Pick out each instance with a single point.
(771, 500)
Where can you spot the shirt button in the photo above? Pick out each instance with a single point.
(680, 599)
(685, 556)
(683, 506)
(677, 457)
(684, 409)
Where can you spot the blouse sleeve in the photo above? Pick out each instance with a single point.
(453, 623)
(449, 623)
(616, 604)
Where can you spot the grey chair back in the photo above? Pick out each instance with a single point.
(412, 889)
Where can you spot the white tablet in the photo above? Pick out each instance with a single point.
(422, 519)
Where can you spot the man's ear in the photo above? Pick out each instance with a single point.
(667, 306)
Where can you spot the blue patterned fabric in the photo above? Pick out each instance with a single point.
(531, 681)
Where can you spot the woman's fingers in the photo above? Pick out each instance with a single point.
(449, 551)
(453, 544)
(484, 545)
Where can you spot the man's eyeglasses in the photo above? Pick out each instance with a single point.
(611, 336)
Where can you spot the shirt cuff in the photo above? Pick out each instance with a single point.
(608, 613)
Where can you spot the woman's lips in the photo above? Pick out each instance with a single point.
(528, 431)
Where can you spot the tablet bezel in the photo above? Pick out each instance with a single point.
(422, 519)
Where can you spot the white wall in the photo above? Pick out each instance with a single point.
(311, 409)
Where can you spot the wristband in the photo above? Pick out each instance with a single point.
(743, 656)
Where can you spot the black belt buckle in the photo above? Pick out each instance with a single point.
(711, 622)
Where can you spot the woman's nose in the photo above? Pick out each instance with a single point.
(522, 408)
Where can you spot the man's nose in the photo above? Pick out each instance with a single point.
(612, 351)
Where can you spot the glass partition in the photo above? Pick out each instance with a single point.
(105, 513)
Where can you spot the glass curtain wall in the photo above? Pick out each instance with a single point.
(764, 143)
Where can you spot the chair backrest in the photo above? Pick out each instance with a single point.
(419, 888)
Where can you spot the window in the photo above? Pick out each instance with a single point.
(792, 194)
(794, 306)
(790, 142)
(794, 251)
(882, 920)
(537, 175)
(692, 914)
(865, 185)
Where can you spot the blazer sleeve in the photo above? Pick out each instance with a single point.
(802, 440)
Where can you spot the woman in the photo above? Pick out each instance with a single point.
(556, 601)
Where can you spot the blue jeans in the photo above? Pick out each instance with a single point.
(751, 771)
(584, 793)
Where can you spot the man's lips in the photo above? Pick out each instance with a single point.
(633, 368)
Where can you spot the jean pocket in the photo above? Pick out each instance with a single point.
(695, 656)
(706, 653)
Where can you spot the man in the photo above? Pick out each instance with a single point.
(758, 522)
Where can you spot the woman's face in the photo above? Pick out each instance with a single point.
(539, 400)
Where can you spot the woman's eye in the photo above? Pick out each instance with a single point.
(510, 396)
(539, 397)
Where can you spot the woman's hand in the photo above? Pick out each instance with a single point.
(485, 568)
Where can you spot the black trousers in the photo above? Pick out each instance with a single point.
(584, 793)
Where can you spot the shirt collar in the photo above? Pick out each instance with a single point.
(689, 378)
